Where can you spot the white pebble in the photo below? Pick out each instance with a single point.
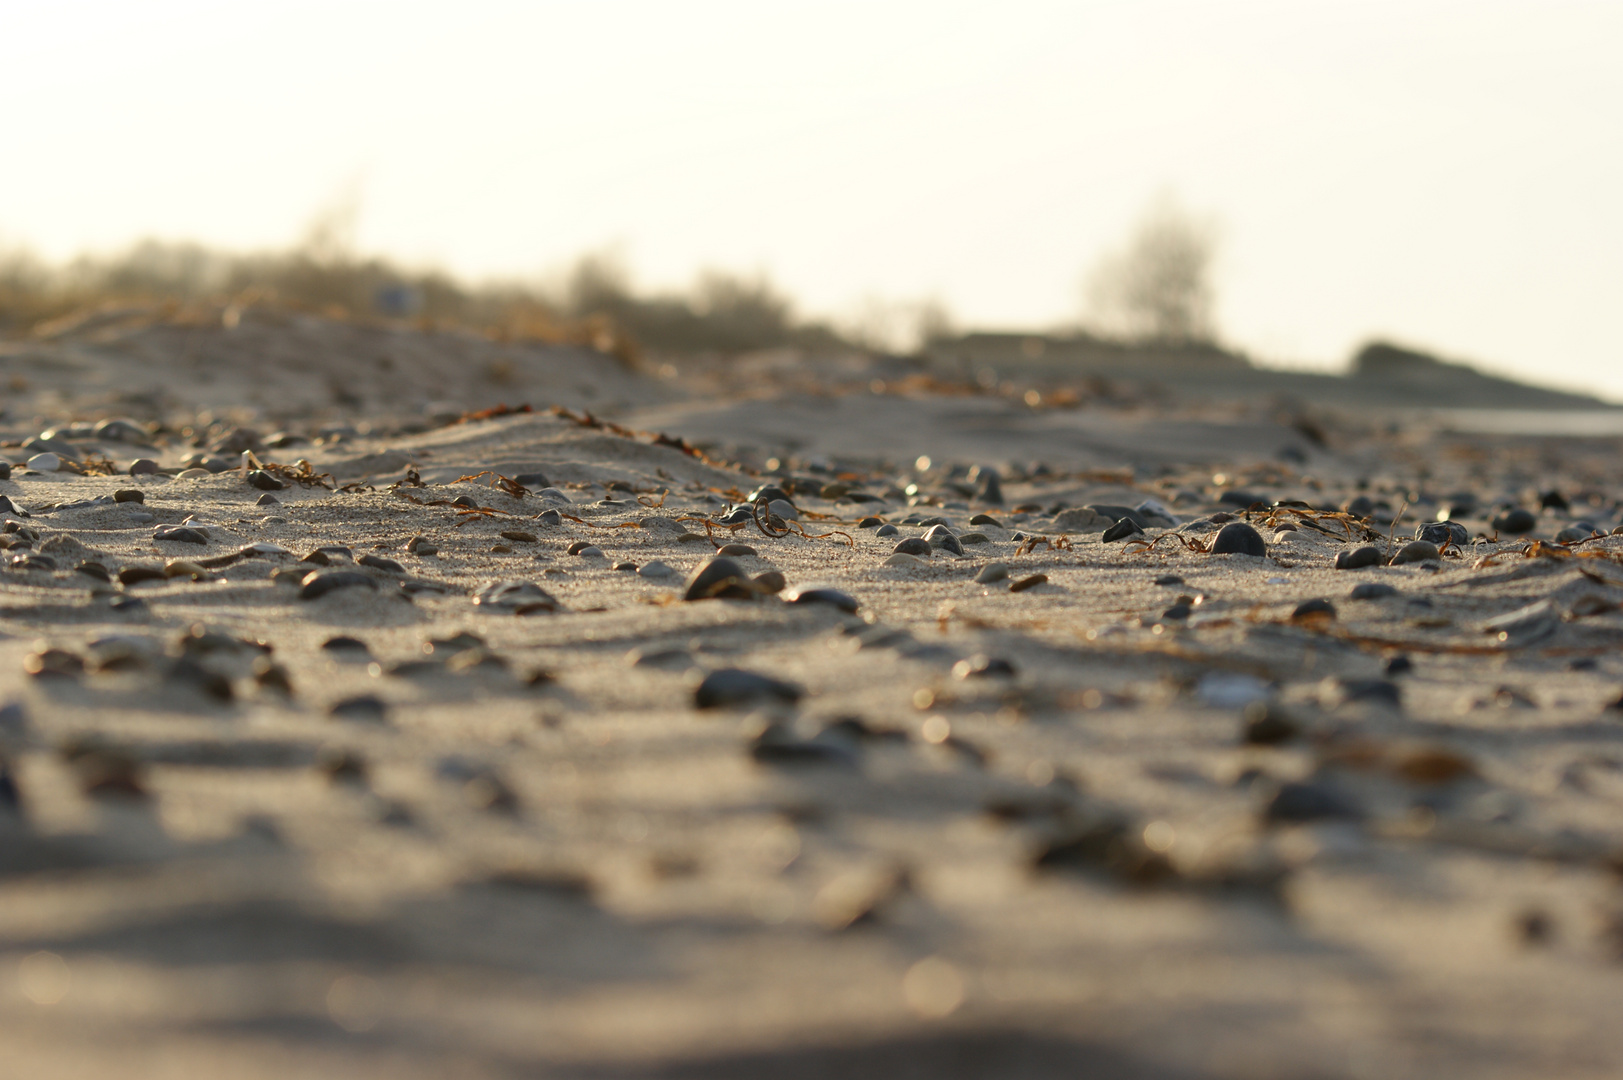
(46, 462)
(656, 569)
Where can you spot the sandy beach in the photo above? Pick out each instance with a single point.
(331, 752)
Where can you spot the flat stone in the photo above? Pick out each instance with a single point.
(887, 530)
(46, 462)
(130, 495)
(1515, 522)
(819, 594)
(319, 583)
(720, 579)
(991, 572)
(1297, 802)
(1416, 551)
(1358, 558)
(378, 562)
(1371, 590)
(731, 688)
(902, 558)
(1082, 519)
(913, 545)
(264, 481)
(1238, 538)
(736, 550)
(179, 534)
(519, 597)
(143, 467)
(518, 536)
(656, 569)
(1121, 530)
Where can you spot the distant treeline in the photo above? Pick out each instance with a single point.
(594, 303)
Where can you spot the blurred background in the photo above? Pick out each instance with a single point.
(1286, 180)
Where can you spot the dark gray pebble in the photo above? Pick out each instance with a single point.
(986, 519)
(5, 470)
(362, 707)
(9, 507)
(1169, 579)
(734, 687)
(143, 467)
(1376, 690)
(533, 480)
(1398, 665)
(870, 522)
(736, 550)
(345, 644)
(378, 562)
(1371, 590)
(1267, 723)
(1416, 551)
(264, 481)
(549, 518)
(520, 597)
(1300, 802)
(130, 495)
(1178, 612)
(128, 605)
(1515, 522)
(769, 493)
(1357, 558)
(317, 584)
(95, 570)
(824, 595)
(720, 579)
(1360, 506)
(1441, 532)
(1310, 609)
(1243, 499)
(179, 534)
(1121, 530)
(1238, 538)
(887, 530)
(913, 545)
(981, 666)
(267, 499)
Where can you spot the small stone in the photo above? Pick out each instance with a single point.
(981, 666)
(179, 534)
(768, 493)
(973, 538)
(532, 480)
(1082, 519)
(1121, 530)
(1515, 521)
(657, 569)
(626, 567)
(378, 562)
(913, 545)
(317, 584)
(192, 474)
(783, 509)
(736, 550)
(824, 595)
(346, 644)
(184, 568)
(577, 547)
(730, 688)
(143, 467)
(902, 558)
(887, 530)
(5, 470)
(1358, 558)
(363, 707)
(588, 551)
(264, 481)
(870, 522)
(130, 495)
(1169, 579)
(267, 499)
(1028, 583)
(1267, 723)
(421, 547)
(986, 519)
(135, 575)
(520, 597)
(1177, 612)
(518, 536)
(9, 507)
(1314, 611)
(991, 572)
(1238, 538)
(550, 518)
(991, 491)
(1298, 802)
(1416, 551)
(1398, 665)
(1441, 532)
(95, 570)
(46, 462)
(770, 582)
(1371, 590)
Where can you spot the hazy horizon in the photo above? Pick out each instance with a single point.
(1442, 176)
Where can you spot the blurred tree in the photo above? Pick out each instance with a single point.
(1158, 287)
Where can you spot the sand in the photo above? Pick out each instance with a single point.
(543, 859)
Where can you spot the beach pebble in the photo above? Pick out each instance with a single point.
(1441, 532)
(421, 546)
(913, 545)
(818, 594)
(532, 480)
(991, 572)
(1515, 522)
(1030, 582)
(1082, 519)
(184, 568)
(1169, 579)
(1416, 551)
(887, 530)
(1313, 611)
(518, 536)
(1371, 590)
(143, 467)
(1297, 802)
(981, 666)
(264, 481)
(179, 534)
(626, 566)
(1121, 530)
(130, 495)
(318, 583)
(135, 575)
(346, 644)
(731, 688)
(720, 579)
(1357, 558)
(586, 551)
(378, 562)
(1238, 538)
(366, 707)
(769, 582)
(1573, 533)
(736, 550)
(1267, 723)
(973, 538)
(519, 597)
(46, 462)
(192, 474)
(549, 518)
(902, 558)
(5, 470)
(657, 569)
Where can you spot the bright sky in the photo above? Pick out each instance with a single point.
(1446, 173)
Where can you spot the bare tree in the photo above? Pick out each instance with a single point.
(1158, 287)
